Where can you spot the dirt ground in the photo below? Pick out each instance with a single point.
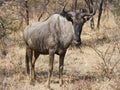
(93, 66)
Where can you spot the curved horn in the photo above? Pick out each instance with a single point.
(90, 14)
(63, 10)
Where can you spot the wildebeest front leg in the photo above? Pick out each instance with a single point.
(61, 64)
(51, 61)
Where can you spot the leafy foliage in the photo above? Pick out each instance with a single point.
(117, 6)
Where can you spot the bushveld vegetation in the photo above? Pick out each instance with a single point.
(93, 66)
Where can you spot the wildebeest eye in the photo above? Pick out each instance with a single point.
(82, 10)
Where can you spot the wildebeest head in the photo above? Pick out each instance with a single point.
(78, 18)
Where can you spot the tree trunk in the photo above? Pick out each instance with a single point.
(27, 12)
(100, 13)
(89, 3)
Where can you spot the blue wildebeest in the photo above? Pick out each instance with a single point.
(53, 36)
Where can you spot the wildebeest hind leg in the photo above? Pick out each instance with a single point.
(36, 55)
(29, 64)
(27, 61)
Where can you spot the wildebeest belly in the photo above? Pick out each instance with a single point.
(42, 46)
(46, 51)
(38, 44)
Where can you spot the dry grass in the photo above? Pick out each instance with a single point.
(86, 68)
(82, 71)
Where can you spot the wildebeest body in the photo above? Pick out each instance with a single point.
(56, 33)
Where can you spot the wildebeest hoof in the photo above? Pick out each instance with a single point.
(61, 83)
(32, 82)
(47, 86)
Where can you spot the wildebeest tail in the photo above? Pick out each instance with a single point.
(27, 63)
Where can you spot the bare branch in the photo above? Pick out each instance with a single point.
(40, 16)
(100, 13)
(27, 12)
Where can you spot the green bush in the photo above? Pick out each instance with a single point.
(117, 6)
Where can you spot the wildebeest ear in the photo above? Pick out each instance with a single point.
(86, 18)
(69, 17)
